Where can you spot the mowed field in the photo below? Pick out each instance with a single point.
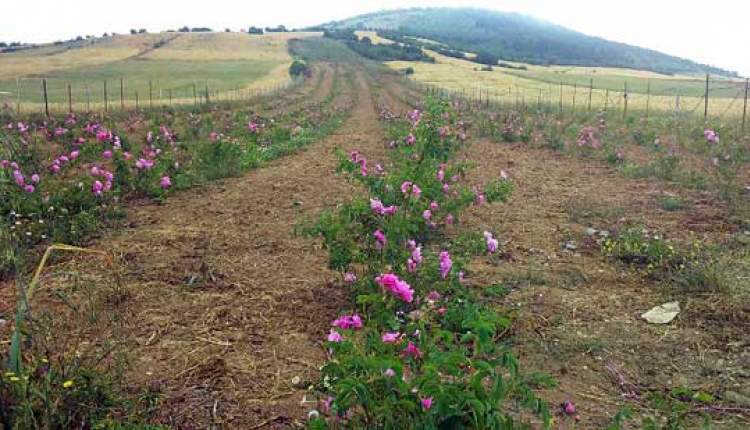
(569, 85)
(167, 62)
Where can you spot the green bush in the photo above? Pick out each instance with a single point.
(299, 68)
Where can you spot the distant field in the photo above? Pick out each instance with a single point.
(373, 37)
(168, 61)
(539, 84)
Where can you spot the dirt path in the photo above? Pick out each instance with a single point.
(577, 314)
(228, 307)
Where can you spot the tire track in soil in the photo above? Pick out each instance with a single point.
(227, 307)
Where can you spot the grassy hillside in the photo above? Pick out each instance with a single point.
(514, 37)
(170, 61)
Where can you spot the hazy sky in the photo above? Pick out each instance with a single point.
(715, 32)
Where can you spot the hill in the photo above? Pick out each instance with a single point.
(515, 37)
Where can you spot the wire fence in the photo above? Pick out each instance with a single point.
(50, 96)
(729, 108)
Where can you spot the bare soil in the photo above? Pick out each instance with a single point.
(577, 313)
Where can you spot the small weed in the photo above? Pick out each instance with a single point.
(702, 276)
(636, 247)
(664, 168)
(496, 291)
(592, 346)
(525, 278)
(671, 203)
(583, 209)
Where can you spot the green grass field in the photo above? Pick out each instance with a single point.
(659, 85)
(155, 64)
(164, 75)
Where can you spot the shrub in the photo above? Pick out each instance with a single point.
(299, 68)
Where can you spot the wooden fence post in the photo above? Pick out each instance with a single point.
(606, 99)
(46, 101)
(195, 96)
(561, 97)
(705, 105)
(625, 98)
(170, 97)
(207, 100)
(18, 95)
(136, 100)
(648, 97)
(539, 101)
(744, 107)
(70, 99)
(591, 90)
(575, 90)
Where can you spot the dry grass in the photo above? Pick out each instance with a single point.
(38, 62)
(228, 46)
(374, 37)
(509, 86)
(577, 313)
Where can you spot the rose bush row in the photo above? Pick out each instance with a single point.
(417, 348)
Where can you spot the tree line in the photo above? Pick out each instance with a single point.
(381, 51)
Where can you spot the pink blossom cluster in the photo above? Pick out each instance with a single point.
(395, 286)
(62, 160)
(335, 336)
(587, 137)
(99, 187)
(492, 243)
(412, 351)
(167, 133)
(144, 164)
(346, 322)
(416, 257)
(411, 189)
(103, 135)
(711, 136)
(379, 208)
(445, 264)
(357, 158)
(380, 240)
(391, 337)
(479, 197)
(70, 119)
(414, 117)
(441, 173)
(18, 177)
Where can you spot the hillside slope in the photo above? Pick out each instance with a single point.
(515, 37)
